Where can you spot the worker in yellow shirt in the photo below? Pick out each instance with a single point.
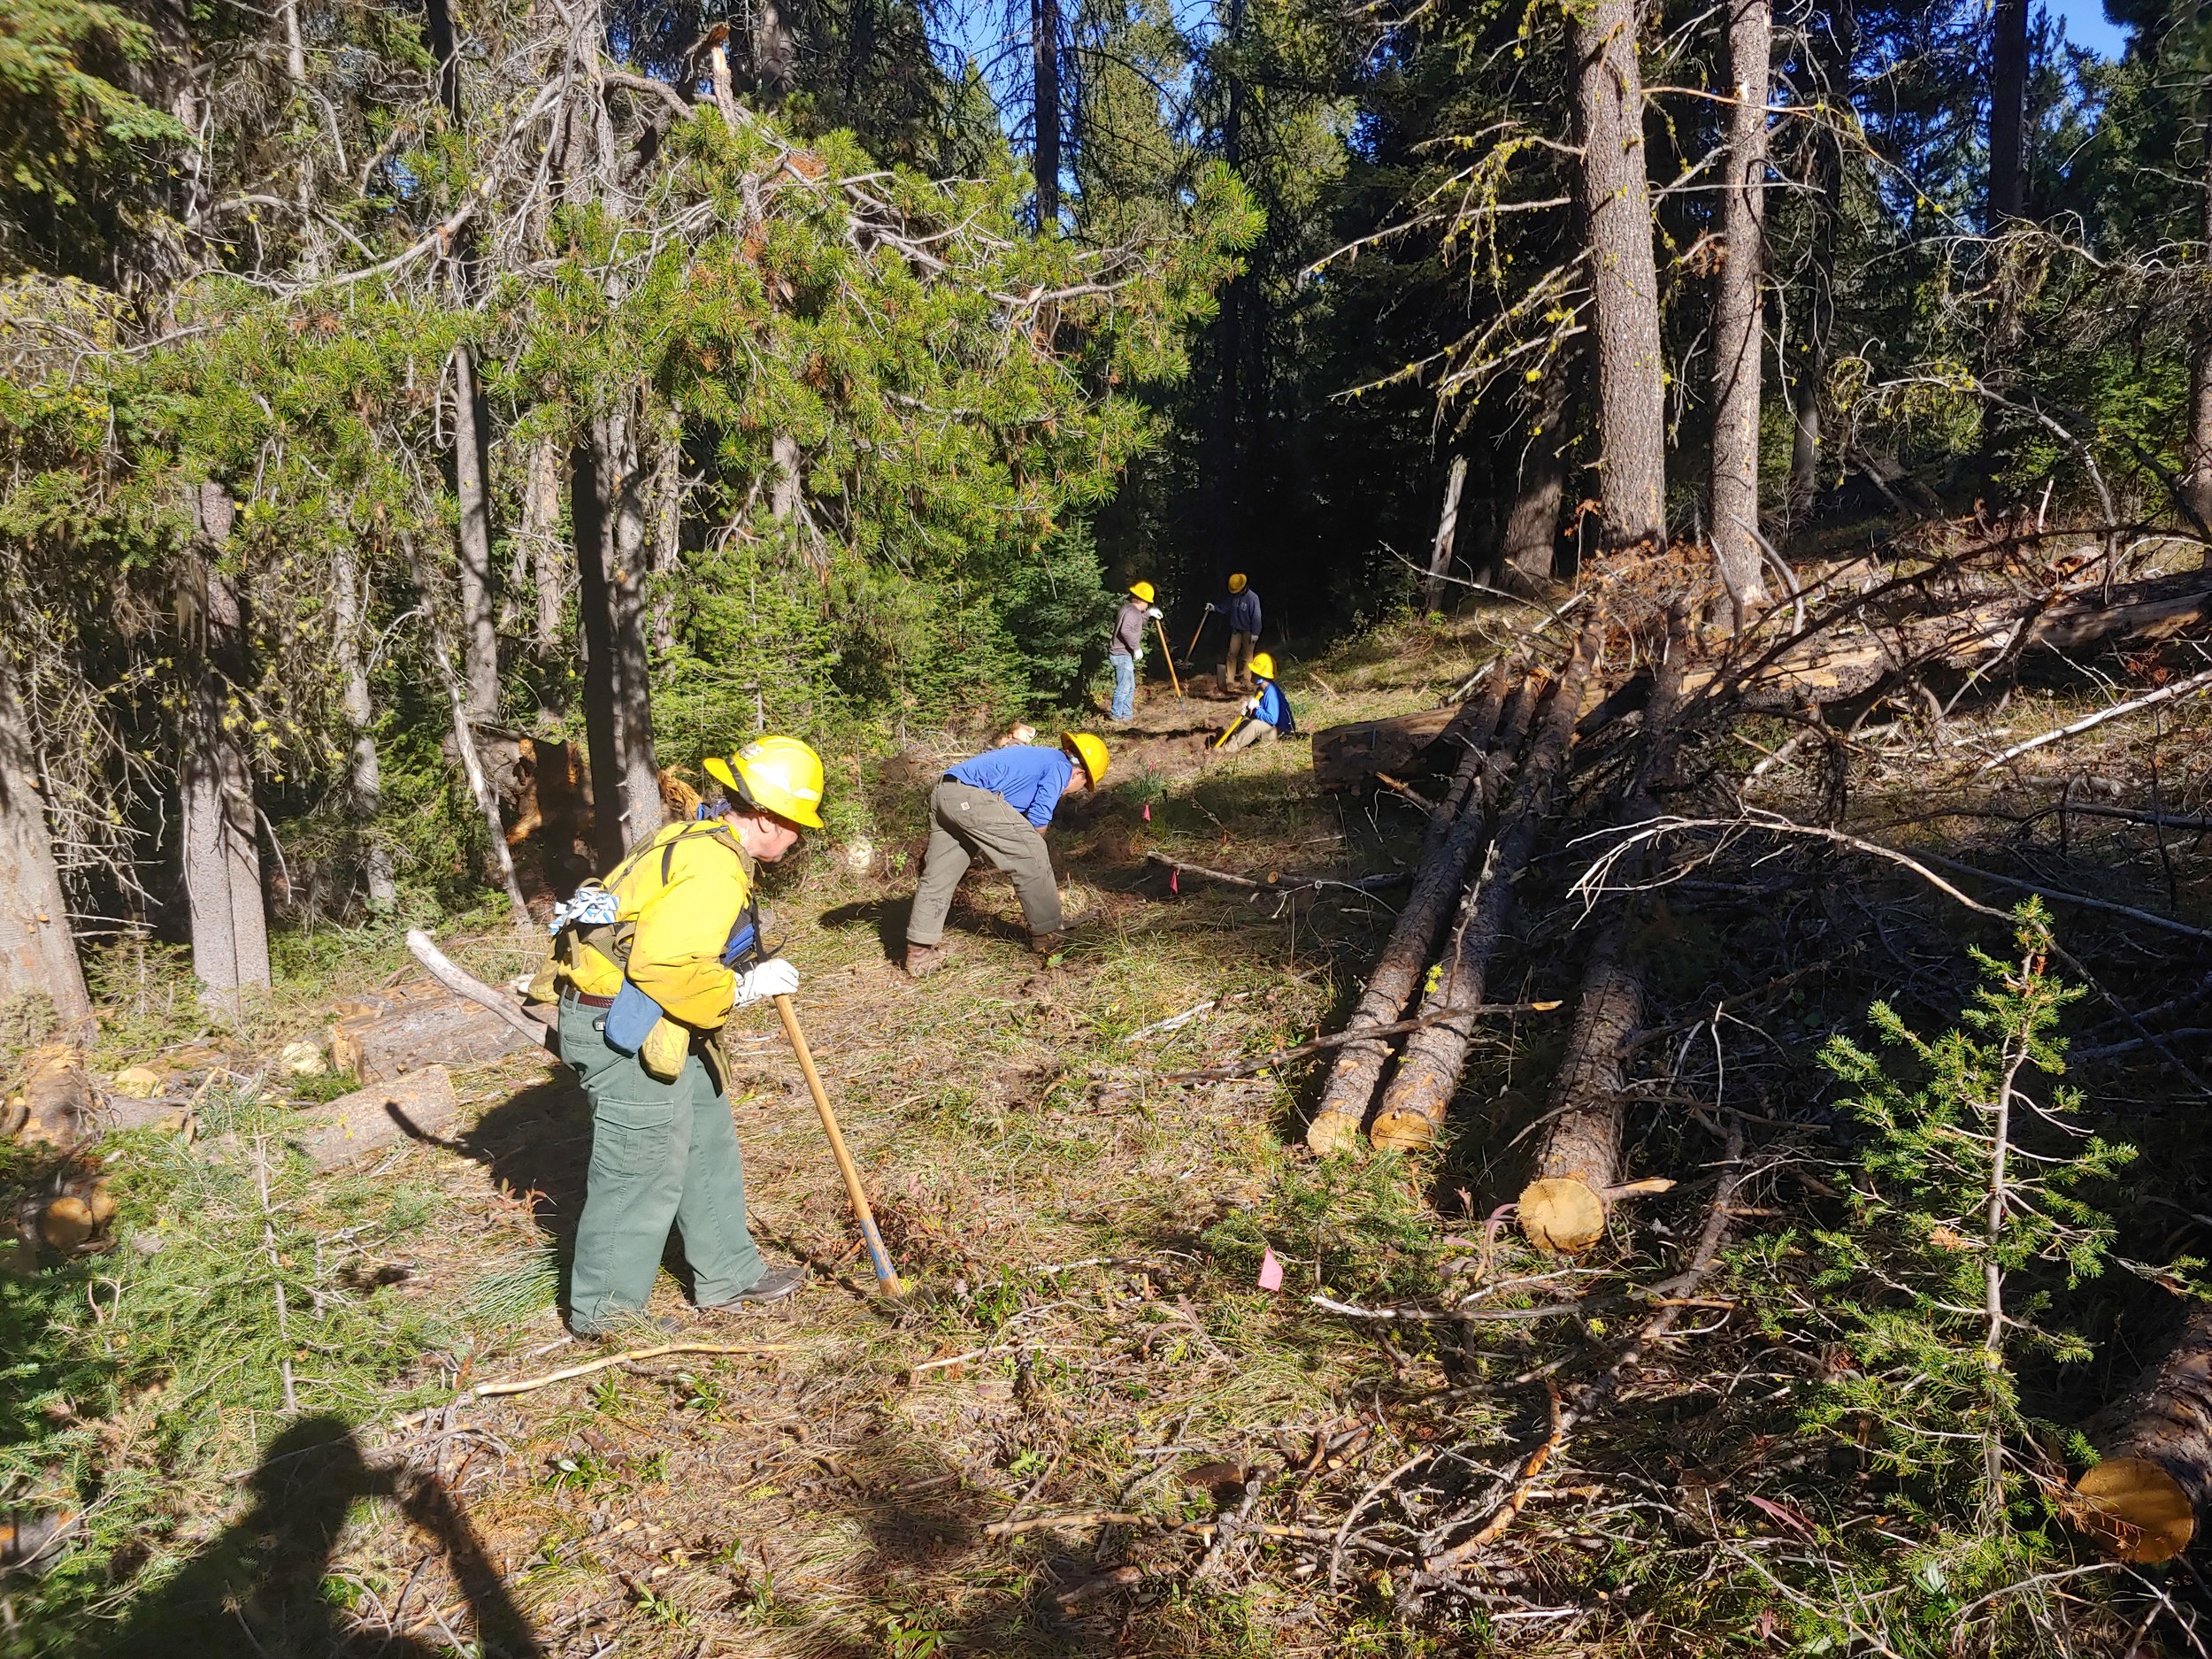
(649, 965)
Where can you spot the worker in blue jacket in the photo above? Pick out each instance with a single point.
(1244, 634)
(998, 805)
(1265, 714)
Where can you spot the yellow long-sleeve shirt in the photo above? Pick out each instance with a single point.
(684, 890)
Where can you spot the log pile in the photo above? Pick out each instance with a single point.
(1486, 787)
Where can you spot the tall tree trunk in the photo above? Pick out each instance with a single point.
(365, 777)
(37, 951)
(2007, 109)
(294, 45)
(608, 508)
(1226, 484)
(472, 770)
(479, 633)
(1447, 535)
(667, 554)
(1834, 51)
(222, 860)
(1530, 542)
(1045, 46)
(1617, 202)
(541, 520)
(1738, 315)
(775, 53)
(2196, 482)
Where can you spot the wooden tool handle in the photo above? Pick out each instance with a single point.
(1168, 651)
(879, 1257)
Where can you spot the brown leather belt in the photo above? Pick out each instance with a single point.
(569, 994)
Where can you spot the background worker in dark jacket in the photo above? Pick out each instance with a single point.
(1244, 633)
(998, 805)
(1265, 714)
(1124, 645)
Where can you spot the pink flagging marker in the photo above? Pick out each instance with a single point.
(1270, 1270)
(1147, 811)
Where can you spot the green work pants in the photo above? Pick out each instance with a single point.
(661, 1153)
(966, 821)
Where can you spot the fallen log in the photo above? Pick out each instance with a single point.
(1450, 846)
(1567, 1201)
(54, 1105)
(389, 1033)
(420, 1106)
(1345, 756)
(2145, 1502)
(1428, 1071)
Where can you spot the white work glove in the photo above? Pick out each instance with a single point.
(1155, 612)
(773, 977)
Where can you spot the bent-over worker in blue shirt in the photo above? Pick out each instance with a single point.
(998, 805)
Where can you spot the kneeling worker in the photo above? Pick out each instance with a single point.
(1266, 715)
(999, 804)
(650, 963)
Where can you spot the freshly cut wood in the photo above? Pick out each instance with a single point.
(1565, 1206)
(2145, 1501)
(1428, 1071)
(1450, 846)
(419, 1106)
(1345, 756)
(54, 1104)
(381, 1037)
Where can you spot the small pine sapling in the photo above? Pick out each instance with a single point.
(1965, 1219)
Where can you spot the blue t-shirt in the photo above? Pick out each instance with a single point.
(1273, 709)
(1028, 777)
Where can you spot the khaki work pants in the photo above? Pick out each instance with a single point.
(1253, 731)
(963, 823)
(1237, 666)
(662, 1155)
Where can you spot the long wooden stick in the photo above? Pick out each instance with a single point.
(2164, 694)
(1168, 651)
(526, 1385)
(886, 1274)
(1195, 632)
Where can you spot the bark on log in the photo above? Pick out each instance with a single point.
(378, 1038)
(1428, 1073)
(1454, 835)
(2144, 1502)
(420, 1105)
(54, 1105)
(1346, 757)
(1564, 1206)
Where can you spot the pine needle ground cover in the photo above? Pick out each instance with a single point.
(1090, 1428)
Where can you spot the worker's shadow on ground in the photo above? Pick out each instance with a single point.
(889, 917)
(263, 1586)
(537, 1145)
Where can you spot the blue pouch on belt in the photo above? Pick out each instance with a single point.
(630, 1020)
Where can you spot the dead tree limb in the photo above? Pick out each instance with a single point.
(1428, 1073)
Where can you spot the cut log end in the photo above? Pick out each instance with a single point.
(1562, 1216)
(2135, 1510)
(1403, 1131)
(1333, 1132)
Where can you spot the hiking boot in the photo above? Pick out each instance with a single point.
(1046, 945)
(924, 960)
(772, 1286)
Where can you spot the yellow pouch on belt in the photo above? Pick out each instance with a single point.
(663, 1050)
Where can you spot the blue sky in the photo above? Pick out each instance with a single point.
(2086, 24)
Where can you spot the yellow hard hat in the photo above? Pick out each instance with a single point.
(1089, 750)
(1236, 583)
(777, 774)
(1143, 590)
(1263, 665)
